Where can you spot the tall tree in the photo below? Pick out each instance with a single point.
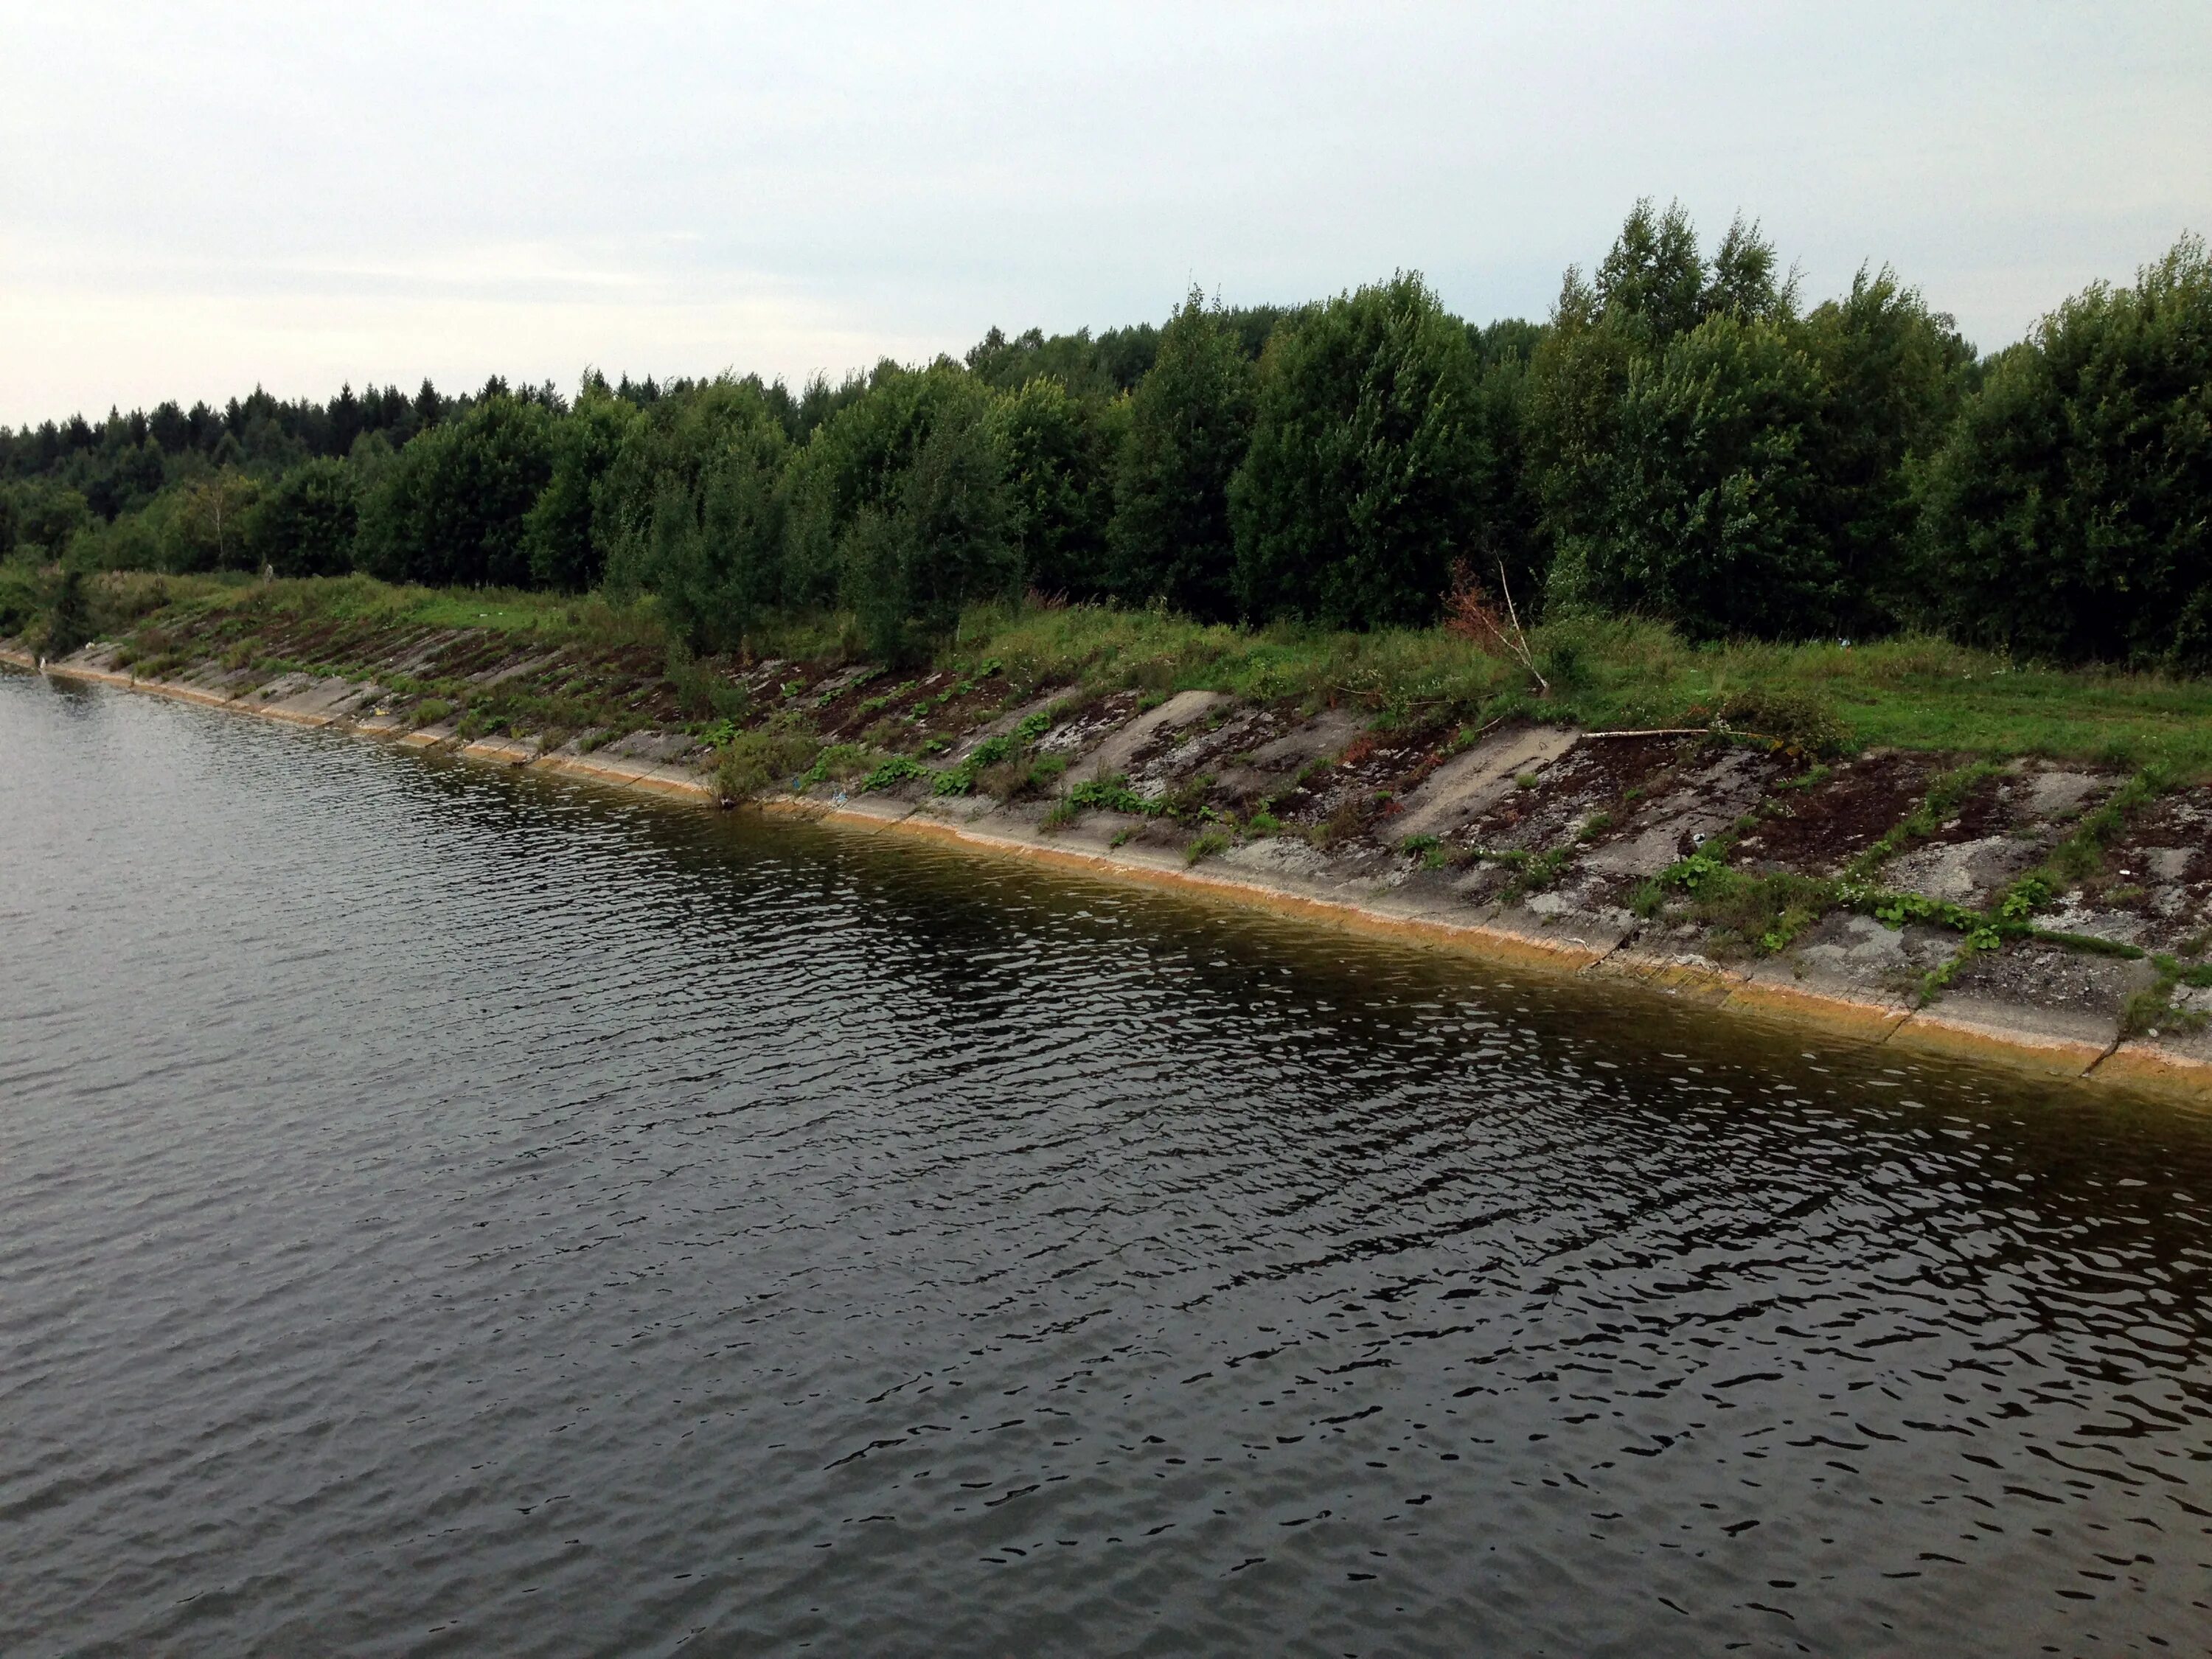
(305, 526)
(2070, 514)
(1190, 421)
(1359, 487)
(450, 507)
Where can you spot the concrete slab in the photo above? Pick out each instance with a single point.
(1464, 787)
(1968, 873)
(999, 727)
(2161, 1068)
(1676, 972)
(1116, 753)
(1706, 801)
(2063, 1042)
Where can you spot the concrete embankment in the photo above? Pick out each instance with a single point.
(1528, 845)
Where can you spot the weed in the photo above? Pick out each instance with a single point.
(1212, 844)
(1537, 873)
(839, 763)
(1346, 822)
(892, 773)
(1112, 794)
(1418, 844)
(431, 710)
(1938, 979)
(1264, 824)
(754, 761)
(1122, 837)
(1812, 778)
(1061, 814)
(1526, 779)
(1798, 720)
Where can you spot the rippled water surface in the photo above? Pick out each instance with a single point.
(442, 1212)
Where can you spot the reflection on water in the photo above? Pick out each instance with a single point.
(448, 1212)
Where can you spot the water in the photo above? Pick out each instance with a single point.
(452, 1213)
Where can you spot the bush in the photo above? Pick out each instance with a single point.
(1358, 487)
(305, 526)
(2070, 515)
(1705, 511)
(450, 507)
(1803, 721)
(1190, 424)
(68, 619)
(41, 514)
(754, 763)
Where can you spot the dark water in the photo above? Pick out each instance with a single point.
(447, 1213)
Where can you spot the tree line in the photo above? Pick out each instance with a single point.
(1683, 439)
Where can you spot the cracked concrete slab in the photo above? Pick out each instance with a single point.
(1459, 790)
(1122, 746)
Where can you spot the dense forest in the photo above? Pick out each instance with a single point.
(1684, 438)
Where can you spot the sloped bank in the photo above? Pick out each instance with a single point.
(1567, 852)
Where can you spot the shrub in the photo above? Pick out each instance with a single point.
(1803, 721)
(2070, 515)
(1190, 424)
(305, 526)
(450, 507)
(1358, 487)
(755, 762)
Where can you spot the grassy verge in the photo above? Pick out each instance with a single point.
(1907, 693)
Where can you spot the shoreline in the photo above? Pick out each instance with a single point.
(2043, 1047)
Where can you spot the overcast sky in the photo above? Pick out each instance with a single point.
(196, 199)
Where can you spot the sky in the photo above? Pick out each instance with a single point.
(197, 200)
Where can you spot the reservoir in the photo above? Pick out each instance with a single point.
(449, 1212)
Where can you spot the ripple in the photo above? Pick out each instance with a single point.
(451, 1211)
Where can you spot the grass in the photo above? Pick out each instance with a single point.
(1212, 844)
(1913, 693)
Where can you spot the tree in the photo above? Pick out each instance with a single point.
(943, 542)
(208, 529)
(1678, 429)
(1059, 455)
(449, 509)
(857, 461)
(1510, 535)
(1706, 509)
(1190, 424)
(1653, 280)
(1359, 486)
(565, 547)
(714, 555)
(43, 515)
(305, 526)
(2070, 514)
(1894, 374)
